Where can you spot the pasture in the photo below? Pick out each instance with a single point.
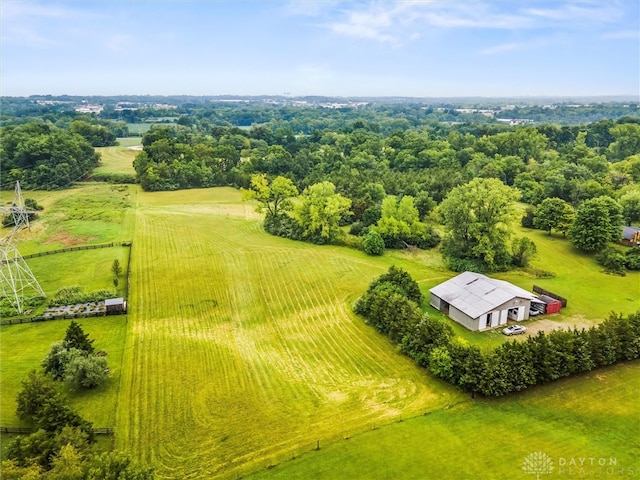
(118, 159)
(593, 416)
(243, 346)
(241, 349)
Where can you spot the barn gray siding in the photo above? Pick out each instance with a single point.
(463, 319)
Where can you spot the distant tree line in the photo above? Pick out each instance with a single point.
(44, 157)
(401, 174)
(402, 184)
(392, 305)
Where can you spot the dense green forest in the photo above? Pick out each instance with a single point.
(390, 171)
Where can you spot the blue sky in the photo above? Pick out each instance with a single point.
(376, 48)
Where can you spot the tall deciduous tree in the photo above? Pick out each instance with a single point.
(478, 217)
(320, 211)
(274, 197)
(630, 203)
(598, 221)
(554, 213)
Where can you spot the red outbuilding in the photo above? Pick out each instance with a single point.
(552, 305)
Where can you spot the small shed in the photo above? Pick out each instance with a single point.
(552, 305)
(115, 306)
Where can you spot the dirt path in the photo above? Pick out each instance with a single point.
(556, 322)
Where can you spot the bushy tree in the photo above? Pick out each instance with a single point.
(73, 361)
(425, 336)
(612, 260)
(478, 217)
(273, 197)
(320, 212)
(632, 259)
(42, 403)
(400, 225)
(373, 243)
(66, 464)
(554, 213)
(523, 249)
(116, 466)
(37, 390)
(598, 221)
(441, 364)
(85, 371)
(630, 203)
(58, 358)
(402, 280)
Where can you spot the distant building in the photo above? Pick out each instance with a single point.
(631, 236)
(478, 302)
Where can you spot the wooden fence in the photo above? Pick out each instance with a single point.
(27, 430)
(42, 318)
(80, 247)
(542, 291)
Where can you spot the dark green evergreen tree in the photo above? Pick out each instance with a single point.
(77, 338)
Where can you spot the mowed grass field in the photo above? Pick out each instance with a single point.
(241, 349)
(243, 346)
(593, 416)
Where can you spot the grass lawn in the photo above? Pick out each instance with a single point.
(90, 269)
(130, 142)
(578, 277)
(88, 213)
(139, 128)
(24, 346)
(596, 415)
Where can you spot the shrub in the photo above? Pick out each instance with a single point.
(373, 243)
(632, 259)
(612, 260)
(73, 295)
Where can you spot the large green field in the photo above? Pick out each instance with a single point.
(241, 349)
(570, 421)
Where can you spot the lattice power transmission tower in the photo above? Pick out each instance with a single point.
(15, 275)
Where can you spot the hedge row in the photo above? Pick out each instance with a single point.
(390, 305)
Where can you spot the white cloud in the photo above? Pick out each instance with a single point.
(36, 24)
(395, 21)
(12, 10)
(24, 35)
(601, 12)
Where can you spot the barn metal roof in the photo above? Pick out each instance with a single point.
(113, 301)
(476, 294)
